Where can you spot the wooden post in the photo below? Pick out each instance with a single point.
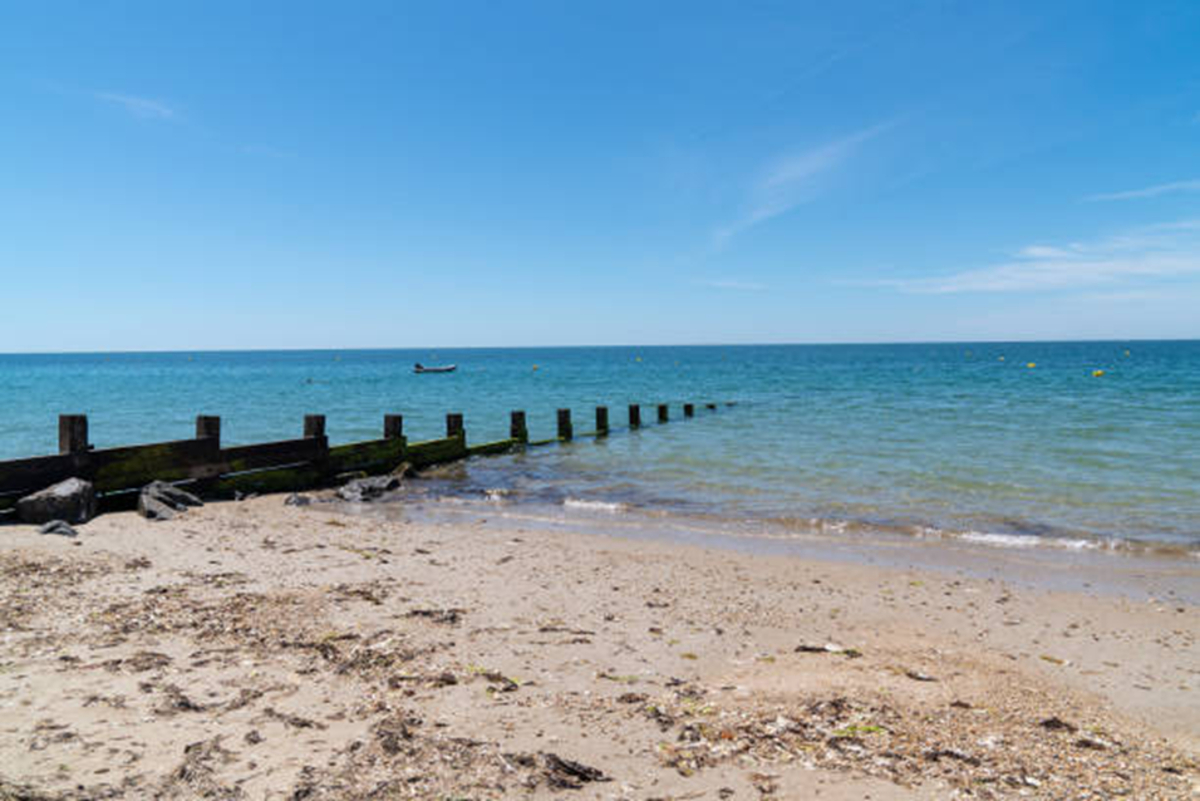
(314, 426)
(635, 416)
(208, 427)
(663, 413)
(454, 424)
(516, 427)
(72, 433)
(689, 410)
(393, 426)
(601, 420)
(564, 424)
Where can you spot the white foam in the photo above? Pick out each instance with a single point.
(1025, 541)
(594, 506)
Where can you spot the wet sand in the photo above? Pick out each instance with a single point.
(262, 651)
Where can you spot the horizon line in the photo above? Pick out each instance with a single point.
(376, 349)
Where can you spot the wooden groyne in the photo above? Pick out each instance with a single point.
(309, 462)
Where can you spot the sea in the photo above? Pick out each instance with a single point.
(1056, 445)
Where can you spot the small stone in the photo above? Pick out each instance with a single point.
(296, 499)
(58, 527)
(360, 490)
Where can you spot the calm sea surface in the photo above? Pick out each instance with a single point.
(985, 441)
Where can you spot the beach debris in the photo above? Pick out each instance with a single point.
(1058, 724)
(140, 662)
(177, 701)
(951, 753)
(828, 648)
(362, 490)
(567, 774)
(59, 527)
(446, 616)
(72, 501)
(296, 499)
(917, 675)
(195, 776)
(159, 500)
(294, 721)
(394, 730)
(1093, 743)
(498, 681)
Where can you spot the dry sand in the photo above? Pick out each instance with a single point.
(261, 651)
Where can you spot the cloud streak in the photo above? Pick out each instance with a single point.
(1149, 191)
(793, 180)
(140, 107)
(1140, 255)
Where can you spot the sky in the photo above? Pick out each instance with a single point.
(225, 175)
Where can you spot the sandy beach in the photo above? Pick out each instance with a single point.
(263, 651)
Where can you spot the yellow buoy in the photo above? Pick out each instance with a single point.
(1126, 353)
(1097, 373)
(637, 358)
(535, 367)
(1031, 365)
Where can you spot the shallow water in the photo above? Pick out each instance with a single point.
(929, 440)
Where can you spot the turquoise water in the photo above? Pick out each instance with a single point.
(958, 438)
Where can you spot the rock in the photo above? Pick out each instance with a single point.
(360, 490)
(58, 527)
(295, 499)
(71, 501)
(151, 508)
(160, 501)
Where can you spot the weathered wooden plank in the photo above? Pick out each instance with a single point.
(490, 448)
(29, 475)
(208, 427)
(565, 430)
(393, 426)
(137, 465)
(273, 454)
(436, 451)
(379, 455)
(293, 478)
(72, 433)
(516, 427)
(314, 425)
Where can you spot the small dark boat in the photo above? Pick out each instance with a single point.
(445, 368)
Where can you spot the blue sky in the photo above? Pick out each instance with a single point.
(258, 175)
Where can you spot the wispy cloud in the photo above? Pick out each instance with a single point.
(1141, 254)
(1149, 191)
(792, 180)
(734, 285)
(141, 107)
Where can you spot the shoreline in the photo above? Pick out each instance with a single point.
(257, 650)
(1171, 573)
